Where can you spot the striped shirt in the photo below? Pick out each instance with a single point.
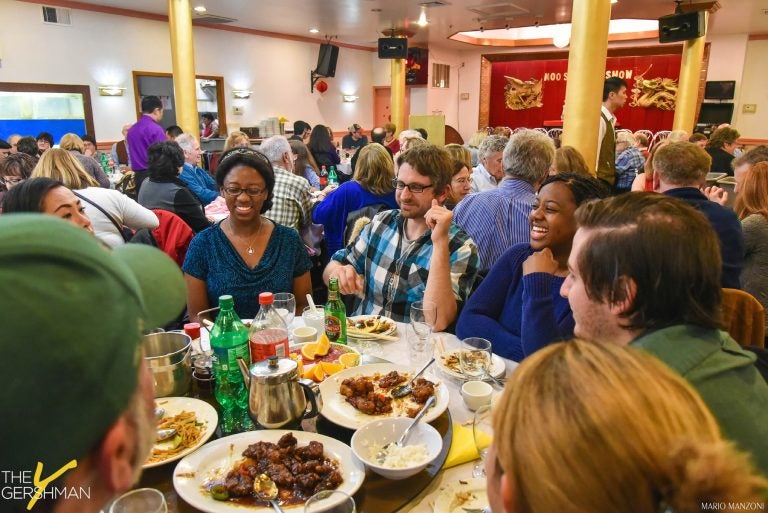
(291, 201)
(496, 219)
(395, 269)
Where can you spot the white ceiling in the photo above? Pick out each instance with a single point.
(362, 22)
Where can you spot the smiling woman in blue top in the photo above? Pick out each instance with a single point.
(518, 306)
(245, 254)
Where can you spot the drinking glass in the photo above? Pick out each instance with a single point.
(482, 431)
(331, 501)
(285, 304)
(423, 318)
(315, 318)
(141, 500)
(475, 357)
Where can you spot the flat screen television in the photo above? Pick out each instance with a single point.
(719, 90)
(715, 113)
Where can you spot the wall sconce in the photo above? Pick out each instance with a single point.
(111, 91)
(349, 98)
(241, 94)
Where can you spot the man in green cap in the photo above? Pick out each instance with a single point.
(78, 410)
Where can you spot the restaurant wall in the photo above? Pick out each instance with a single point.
(103, 49)
(727, 54)
(754, 91)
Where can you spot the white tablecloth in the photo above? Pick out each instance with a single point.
(397, 352)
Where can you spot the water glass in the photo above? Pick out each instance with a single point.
(475, 357)
(285, 304)
(141, 500)
(419, 349)
(330, 501)
(423, 316)
(482, 432)
(314, 319)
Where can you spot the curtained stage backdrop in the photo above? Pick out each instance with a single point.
(553, 76)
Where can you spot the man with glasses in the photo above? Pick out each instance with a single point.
(292, 202)
(301, 131)
(197, 179)
(412, 254)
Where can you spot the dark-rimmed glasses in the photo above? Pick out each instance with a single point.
(233, 191)
(415, 188)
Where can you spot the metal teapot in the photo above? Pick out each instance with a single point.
(277, 398)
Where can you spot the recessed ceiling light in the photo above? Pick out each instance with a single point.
(200, 8)
(614, 1)
(422, 17)
(314, 30)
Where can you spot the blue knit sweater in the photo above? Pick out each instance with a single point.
(518, 314)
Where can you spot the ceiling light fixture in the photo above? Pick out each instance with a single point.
(313, 31)
(200, 8)
(614, 1)
(422, 17)
(241, 94)
(349, 98)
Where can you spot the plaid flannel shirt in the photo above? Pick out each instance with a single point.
(629, 164)
(395, 271)
(291, 202)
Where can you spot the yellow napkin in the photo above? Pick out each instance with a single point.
(463, 448)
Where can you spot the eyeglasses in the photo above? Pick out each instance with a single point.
(415, 188)
(11, 180)
(250, 191)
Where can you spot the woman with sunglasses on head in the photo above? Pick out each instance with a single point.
(518, 306)
(245, 254)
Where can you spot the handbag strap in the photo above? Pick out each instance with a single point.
(109, 216)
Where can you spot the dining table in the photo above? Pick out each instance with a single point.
(378, 495)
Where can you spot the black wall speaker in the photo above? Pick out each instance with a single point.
(681, 27)
(326, 60)
(393, 48)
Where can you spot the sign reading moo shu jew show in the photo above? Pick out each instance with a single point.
(526, 93)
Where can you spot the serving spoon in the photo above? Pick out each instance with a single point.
(406, 389)
(382, 454)
(266, 489)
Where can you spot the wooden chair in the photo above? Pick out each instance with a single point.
(555, 133)
(744, 317)
(658, 137)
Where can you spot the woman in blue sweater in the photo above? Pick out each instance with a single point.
(370, 185)
(518, 306)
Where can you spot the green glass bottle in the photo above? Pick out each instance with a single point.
(333, 178)
(229, 339)
(335, 314)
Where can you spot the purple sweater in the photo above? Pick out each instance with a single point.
(518, 314)
(143, 134)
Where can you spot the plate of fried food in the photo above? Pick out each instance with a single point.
(370, 327)
(358, 395)
(195, 422)
(220, 477)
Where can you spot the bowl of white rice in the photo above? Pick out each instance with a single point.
(422, 447)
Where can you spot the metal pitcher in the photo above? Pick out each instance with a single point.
(277, 398)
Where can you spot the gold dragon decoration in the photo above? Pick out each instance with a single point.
(521, 95)
(655, 92)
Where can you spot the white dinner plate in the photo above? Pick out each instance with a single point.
(389, 331)
(339, 411)
(205, 413)
(469, 493)
(497, 370)
(191, 473)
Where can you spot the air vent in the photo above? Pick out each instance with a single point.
(57, 15)
(498, 10)
(211, 18)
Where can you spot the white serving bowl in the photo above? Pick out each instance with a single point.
(383, 431)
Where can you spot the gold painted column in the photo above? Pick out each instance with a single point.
(183, 55)
(397, 95)
(688, 87)
(586, 74)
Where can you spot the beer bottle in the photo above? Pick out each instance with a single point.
(335, 314)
